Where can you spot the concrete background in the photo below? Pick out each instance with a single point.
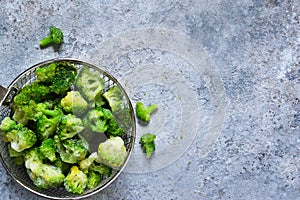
(226, 75)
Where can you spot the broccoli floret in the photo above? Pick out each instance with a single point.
(48, 149)
(112, 152)
(143, 112)
(65, 75)
(46, 73)
(147, 142)
(87, 162)
(114, 96)
(56, 36)
(74, 103)
(69, 126)
(101, 168)
(71, 150)
(94, 179)
(89, 83)
(19, 116)
(21, 138)
(7, 124)
(48, 121)
(98, 119)
(76, 181)
(114, 129)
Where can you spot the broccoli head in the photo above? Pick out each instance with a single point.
(46, 73)
(147, 142)
(76, 181)
(48, 149)
(69, 126)
(114, 129)
(143, 112)
(74, 103)
(56, 36)
(21, 138)
(19, 116)
(94, 179)
(112, 152)
(101, 169)
(89, 83)
(114, 96)
(98, 119)
(7, 124)
(71, 150)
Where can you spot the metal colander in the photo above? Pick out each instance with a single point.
(19, 172)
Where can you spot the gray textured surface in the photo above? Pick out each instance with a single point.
(252, 48)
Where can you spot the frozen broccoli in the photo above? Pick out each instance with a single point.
(18, 157)
(69, 126)
(114, 96)
(87, 162)
(89, 84)
(147, 142)
(19, 116)
(44, 176)
(76, 181)
(48, 149)
(7, 124)
(56, 36)
(143, 112)
(112, 152)
(20, 138)
(71, 150)
(94, 179)
(64, 167)
(114, 129)
(46, 73)
(74, 103)
(102, 169)
(65, 75)
(98, 119)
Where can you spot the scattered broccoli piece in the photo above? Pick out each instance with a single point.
(94, 179)
(56, 36)
(87, 162)
(112, 152)
(76, 181)
(143, 112)
(71, 150)
(7, 124)
(98, 119)
(89, 83)
(147, 142)
(69, 126)
(74, 103)
(48, 149)
(114, 96)
(65, 75)
(46, 73)
(21, 138)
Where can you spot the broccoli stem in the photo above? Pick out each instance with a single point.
(152, 108)
(46, 41)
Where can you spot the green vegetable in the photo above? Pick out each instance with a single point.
(48, 149)
(114, 96)
(73, 102)
(87, 162)
(69, 126)
(89, 84)
(102, 169)
(56, 36)
(147, 142)
(45, 74)
(7, 124)
(143, 112)
(76, 181)
(94, 179)
(112, 152)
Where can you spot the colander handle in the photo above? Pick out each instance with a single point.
(3, 92)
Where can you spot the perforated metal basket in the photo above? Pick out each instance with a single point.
(19, 172)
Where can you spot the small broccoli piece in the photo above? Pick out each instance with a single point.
(69, 126)
(89, 83)
(114, 96)
(48, 120)
(94, 179)
(76, 181)
(71, 150)
(48, 149)
(64, 167)
(147, 142)
(114, 129)
(74, 103)
(143, 112)
(46, 73)
(112, 152)
(7, 124)
(102, 169)
(19, 116)
(87, 162)
(21, 138)
(98, 119)
(56, 36)
(65, 75)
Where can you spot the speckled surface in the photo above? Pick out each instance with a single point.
(234, 65)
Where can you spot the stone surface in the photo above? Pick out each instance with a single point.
(245, 53)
